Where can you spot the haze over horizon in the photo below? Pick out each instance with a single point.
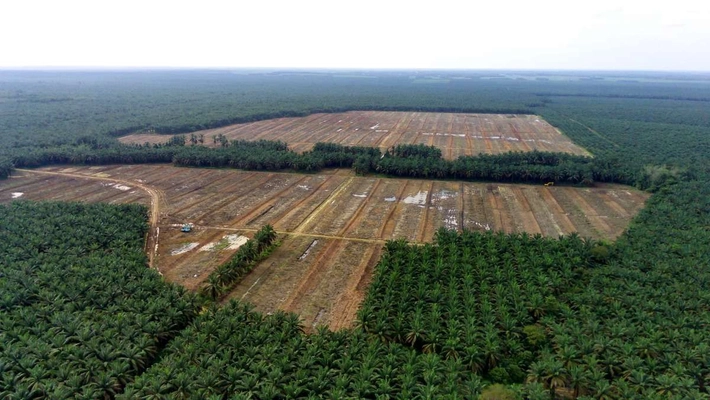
(515, 35)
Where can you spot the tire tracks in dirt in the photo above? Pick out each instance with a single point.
(216, 182)
(259, 211)
(356, 215)
(344, 310)
(304, 200)
(462, 206)
(230, 199)
(421, 231)
(468, 151)
(421, 128)
(318, 210)
(388, 226)
(313, 276)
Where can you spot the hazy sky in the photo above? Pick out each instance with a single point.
(531, 34)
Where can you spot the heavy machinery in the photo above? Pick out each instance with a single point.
(550, 184)
(186, 227)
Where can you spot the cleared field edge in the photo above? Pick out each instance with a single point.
(333, 227)
(455, 133)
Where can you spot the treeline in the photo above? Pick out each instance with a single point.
(625, 96)
(6, 167)
(413, 161)
(227, 275)
(532, 167)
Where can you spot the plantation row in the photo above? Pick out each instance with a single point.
(638, 324)
(416, 161)
(237, 353)
(227, 275)
(483, 299)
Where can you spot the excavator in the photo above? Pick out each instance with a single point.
(186, 227)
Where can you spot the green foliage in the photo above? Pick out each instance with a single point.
(600, 253)
(363, 165)
(177, 140)
(235, 351)
(230, 273)
(55, 107)
(80, 314)
(498, 392)
(499, 374)
(535, 335)
(535, 166)
(415, 151)
(655, 177)
(262, 155)
(6, 167)
(470, 296)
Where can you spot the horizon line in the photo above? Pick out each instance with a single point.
(78, 68)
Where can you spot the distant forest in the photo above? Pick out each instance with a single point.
(606, 113)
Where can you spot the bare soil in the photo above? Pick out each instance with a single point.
(342, 220)
(455, 134)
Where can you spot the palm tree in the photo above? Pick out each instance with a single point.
(212, 288)
(416, 329)
(555, 375)
(602, 390)
(577, 377)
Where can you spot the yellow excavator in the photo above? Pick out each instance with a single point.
(550, 184)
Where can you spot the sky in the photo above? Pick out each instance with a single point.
(363, 34)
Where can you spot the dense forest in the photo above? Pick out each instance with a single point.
(80, 314)
(543, 317)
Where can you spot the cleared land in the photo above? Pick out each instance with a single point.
(454, 133)
(332, 225)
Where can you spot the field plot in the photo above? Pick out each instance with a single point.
(332, 226)
(455, 134)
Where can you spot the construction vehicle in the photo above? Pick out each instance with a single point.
(550, 184)
(186, 227)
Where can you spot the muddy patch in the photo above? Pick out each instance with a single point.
(419, 198)
(228, 242)
(183, 248)
(117, 186)
(308, 250)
